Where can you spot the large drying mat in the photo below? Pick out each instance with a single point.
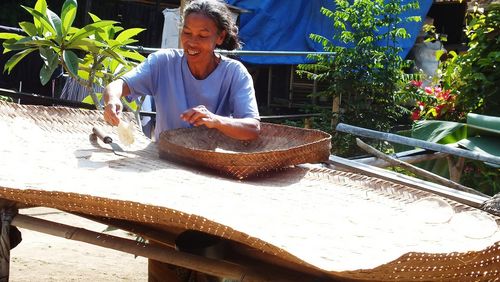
(343, 224)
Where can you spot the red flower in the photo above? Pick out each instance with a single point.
(428, 90)
(416, 83)
(445, 95)
(439, 108)
(415, 115)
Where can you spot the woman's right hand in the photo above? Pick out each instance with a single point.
(112, 111)
(111, 96)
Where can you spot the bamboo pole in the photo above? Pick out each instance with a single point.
(374, 161)
(166, 255)
(359, 131)
(417, 170)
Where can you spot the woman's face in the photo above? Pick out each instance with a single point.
(200, 36)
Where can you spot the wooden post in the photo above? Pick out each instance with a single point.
(335, 111)
(290, 87)
(269, 86)
(455, 168)
(6, 215)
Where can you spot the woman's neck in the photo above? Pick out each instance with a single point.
(202, 70)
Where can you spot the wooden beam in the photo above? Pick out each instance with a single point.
(218, 268)
(459, 196)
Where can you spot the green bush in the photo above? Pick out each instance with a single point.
(365, 75)
(474, 74)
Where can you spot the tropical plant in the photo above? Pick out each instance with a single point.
(474, 74)
(431, 102)
(366, 68)
(480, 134)
(91, 55)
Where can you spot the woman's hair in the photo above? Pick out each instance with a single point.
(220, 14)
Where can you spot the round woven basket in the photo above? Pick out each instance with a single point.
(276, 147)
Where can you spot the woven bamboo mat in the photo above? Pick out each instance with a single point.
(343, 224)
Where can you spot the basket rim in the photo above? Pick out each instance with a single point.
(326, 137)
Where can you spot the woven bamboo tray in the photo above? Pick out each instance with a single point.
(277, 146)
(339, 225)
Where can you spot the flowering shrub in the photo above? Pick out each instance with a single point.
(431, 102)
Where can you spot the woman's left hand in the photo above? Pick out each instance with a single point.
(200, 115)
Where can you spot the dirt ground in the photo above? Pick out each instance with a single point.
(42, 257)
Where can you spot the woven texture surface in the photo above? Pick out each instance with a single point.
(345, 225)
(278, 146)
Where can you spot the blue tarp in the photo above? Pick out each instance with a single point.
(274, 25)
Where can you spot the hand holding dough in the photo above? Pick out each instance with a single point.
(125, 133)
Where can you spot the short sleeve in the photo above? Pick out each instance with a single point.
(243, 101)
(141, 80)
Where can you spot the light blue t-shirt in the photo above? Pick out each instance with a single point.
(165, 75)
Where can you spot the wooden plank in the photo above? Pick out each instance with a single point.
(459, 196)
(359, 131)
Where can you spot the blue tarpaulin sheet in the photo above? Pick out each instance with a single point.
(275, 25)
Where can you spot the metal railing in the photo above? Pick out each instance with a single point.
(149, 50)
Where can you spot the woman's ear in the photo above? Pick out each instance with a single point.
(221, 37)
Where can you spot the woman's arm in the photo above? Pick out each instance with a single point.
(237, 128)
(112, 100)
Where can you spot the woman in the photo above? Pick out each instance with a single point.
(194, 86)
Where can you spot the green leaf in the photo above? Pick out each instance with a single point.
(83, 74)
(11, 45)
(132, 55)
(26, 42)
(489, 122)
(50, 63)
(128, 33)
(41, 7)
(94, 17)
(129, 41)
(55, 21)
(439, 53)
(35, 41)
(16, 58)
(71, 61)
(481, 144)
(73, 30)
(68, 14)
(46, 72)
(86, 44)
(90, 29)
(7, 35)
(44, 22)
(29, 28)
(88, 99)
(112, 54)
(437, 131)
